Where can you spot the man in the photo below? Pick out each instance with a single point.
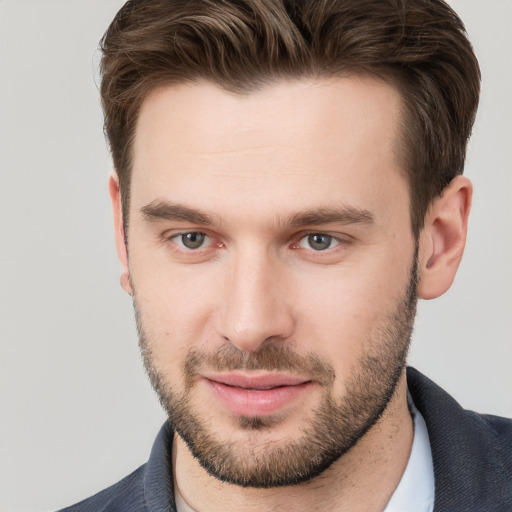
(288, 183)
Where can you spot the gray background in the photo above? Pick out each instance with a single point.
(76, 412)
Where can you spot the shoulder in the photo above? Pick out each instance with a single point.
(501, 426)
(148, 488)
(502, 430)
(127, 495)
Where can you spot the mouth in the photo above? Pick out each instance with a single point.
(256, 394)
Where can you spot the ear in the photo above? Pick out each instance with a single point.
(443, 238)
(122, 250)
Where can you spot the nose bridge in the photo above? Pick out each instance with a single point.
(256, 306)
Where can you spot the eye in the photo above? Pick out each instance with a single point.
(318, 242)
(192, 240)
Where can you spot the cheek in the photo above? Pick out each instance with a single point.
(175, 308)
(341, 317)
(338, 318)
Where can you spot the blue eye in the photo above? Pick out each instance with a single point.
(318, 242)
(192, 240)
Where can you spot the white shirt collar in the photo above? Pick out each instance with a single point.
(416, 488)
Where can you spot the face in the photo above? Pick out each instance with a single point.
(273, 269)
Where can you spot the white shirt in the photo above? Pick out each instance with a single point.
(415, 492)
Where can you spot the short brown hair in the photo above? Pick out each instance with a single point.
(419, 46)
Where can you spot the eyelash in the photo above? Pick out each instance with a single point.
(338, 241)
(177, 236)
(308, 237)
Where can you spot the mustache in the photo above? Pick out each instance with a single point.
(270, 357)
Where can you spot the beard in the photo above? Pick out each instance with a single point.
(334, 427)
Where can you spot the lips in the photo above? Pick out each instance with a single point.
(256, 395)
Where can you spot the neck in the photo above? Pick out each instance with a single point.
(361, 480)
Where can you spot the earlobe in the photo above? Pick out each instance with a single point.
(443, 238)
(122, 250)
(126, 283)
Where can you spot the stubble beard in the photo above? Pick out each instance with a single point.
(334, 428)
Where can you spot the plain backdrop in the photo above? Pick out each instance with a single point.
(76, 411)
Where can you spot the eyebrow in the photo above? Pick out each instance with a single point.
(341, 215)
(164, 210)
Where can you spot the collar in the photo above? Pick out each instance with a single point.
(416, 488)
(472, 453)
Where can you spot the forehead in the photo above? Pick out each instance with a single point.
(208, 118)
(312, 138)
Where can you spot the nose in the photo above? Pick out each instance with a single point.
(256, 306)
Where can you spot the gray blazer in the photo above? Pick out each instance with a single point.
(472, 456)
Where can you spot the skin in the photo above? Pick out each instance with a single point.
(252, 163)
